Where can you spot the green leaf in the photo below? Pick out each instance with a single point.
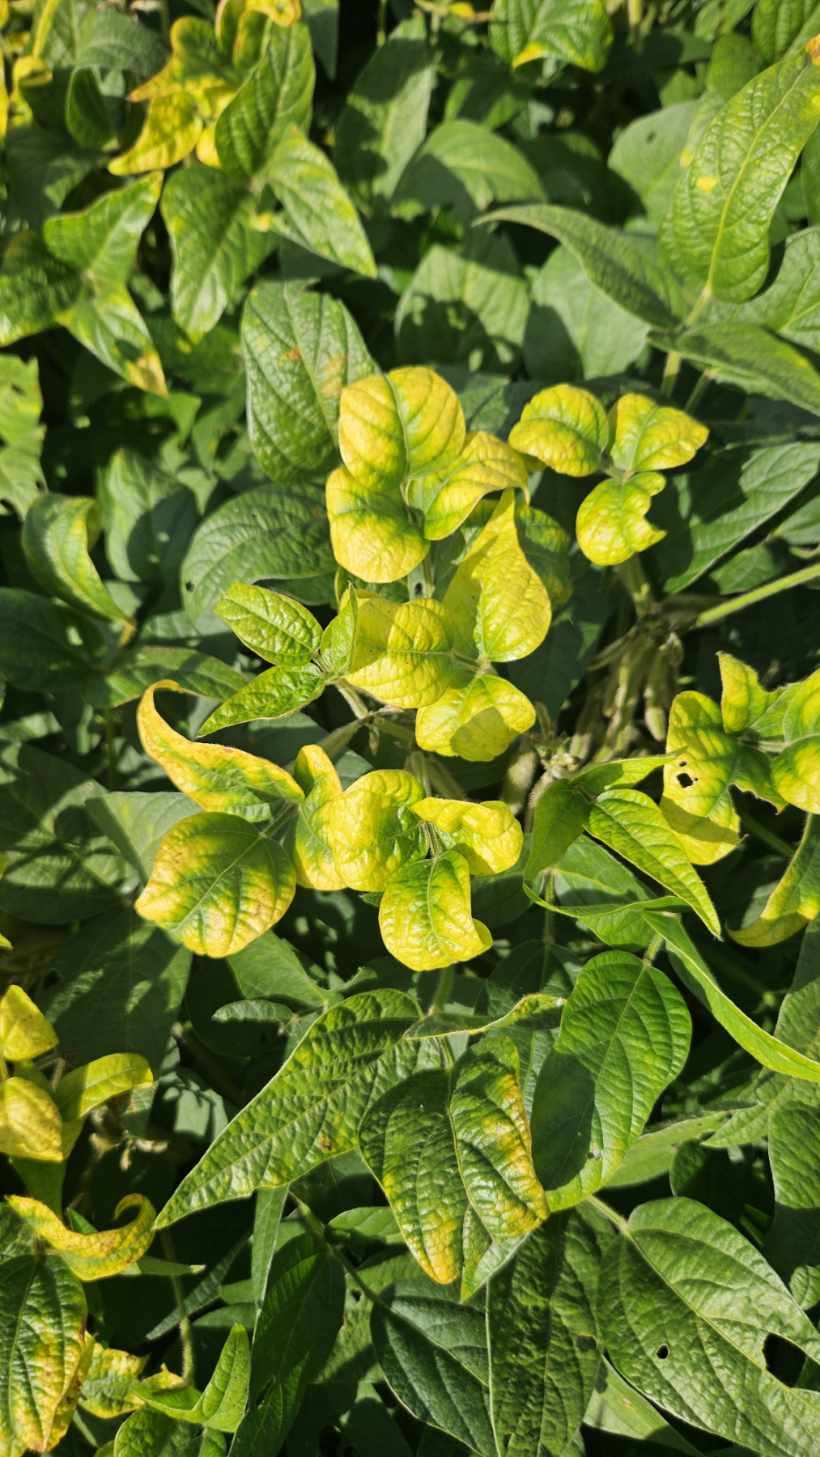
(275, 627)
(779, 25)
(35, 287)
(560, 816)
(60, 868)
(574, 31)
(468, 167)
(216, 884)
(717, 229)
(21, 433)
(92, 1256)
(433, 1353)
(542, 1336)
(277, 94)
(300, 350)
(624, 1037)
(58, 533)
(136, 822)
(631, 824)
(85, 1088)
(43, 1331)
(276, 693)
(617, 263)
(111, 326)
(298, 1323)
(318, 213)
(795, 900)
(41, 642)
(769, 1051)
(150, 1434)
(576, 331)
(148, 517)
(565, 428)
(455, 1164)
(647, 155)
(683, 1280)
(311, 1110)
(215, 777)
(465, 306)
(425, 916)
(100, 242)
(221, 1405)
(751, 357)
(261, 533)
(215, 244)
(384, 117)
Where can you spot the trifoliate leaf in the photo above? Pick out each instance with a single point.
(650, 437)
(311, 1110)
(58, 533)
(497, 605)
(425, 917)
(276, 693)
(565, 428)
(485, 464)
(24, 1031)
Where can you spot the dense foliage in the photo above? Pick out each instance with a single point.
(410, 743)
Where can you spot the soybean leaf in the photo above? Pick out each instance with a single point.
(433, 1353)
(318, 212)
(751, 357)
(779, 25)
(795, 900)
(384, 117)
(575, 330)
(58, 533)
(717, 229)
(465, 307)
(578, 31)
(277, 94)
(300, 350)
(311, 1110)
(468, 167)
(682, 1279)
(624, 1037)
(41, 1346)
(541, 1331)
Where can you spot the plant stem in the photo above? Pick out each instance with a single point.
(765, 835)
(757, 594)
(381, 28)
(186, 1339)
(441, 995)
(610, 1214)
(701, 385)
(634, 12)
(671, 369)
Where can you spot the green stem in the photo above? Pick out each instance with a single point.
(758, 594)
(634, 12)
(443, 990)
(610, 1214)
(701, 385)
(766, 836)
(381, 27)
(671, 370)
(186, 1339)
(356, 704)
(634, 579)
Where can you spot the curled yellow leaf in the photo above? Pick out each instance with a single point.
(91, 1256)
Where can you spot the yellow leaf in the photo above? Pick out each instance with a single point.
(402, 651)
(108, 1381)
(476, 722)
(399, 425)
(487, 835)
(91, 1256)
(565, 428)
(485, 464)
(372, 533)
(497, 605)
(30, 1126)
(312, 848)
(697, 799)
(425, 916)
(611, 523)
(215, 777)
(650, 437)
(217, 884)
(373, 830)
(24, 1031)
(106, 1077)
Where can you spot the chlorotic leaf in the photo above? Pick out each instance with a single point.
(487, 835)
(217, 883)
(214, 777)
(91, 1256)
(565, 428)
(650, 437)
(611, 524)
(313, 838)
(373, 829)
(24, 1031)
(311, 1110)
(477, 721)
(30, 1124)
(485, 464)
(796, 773)
(107, 1077)
(425, 917)
(402, 652)
(41, 1347)
(276, 693)
(498, 607)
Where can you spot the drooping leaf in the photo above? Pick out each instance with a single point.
(311, 1110)
(91, 1256)
(624, 1036)
(58, 533)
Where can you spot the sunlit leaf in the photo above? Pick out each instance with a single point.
(564, 427)
(425, 916)
(487, 835)
(91, 1256)
(373, 829)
